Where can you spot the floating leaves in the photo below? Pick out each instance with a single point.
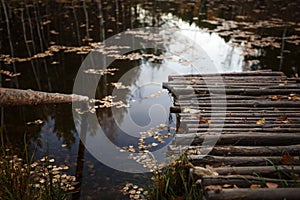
(102, 72)
(36, 122)
(10, 74)
(108, 102)
(120, 85)
(156, 95)
(40, 171)
(135, 192)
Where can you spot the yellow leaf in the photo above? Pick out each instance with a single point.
(255, 186)
(216, 188)
(295, 98)
(261, 121)
(226, 185)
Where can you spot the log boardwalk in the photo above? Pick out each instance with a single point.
(257, 153)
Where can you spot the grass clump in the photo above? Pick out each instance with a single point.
(175, 182)
(39, 180)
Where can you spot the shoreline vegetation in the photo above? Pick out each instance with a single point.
(41, 179)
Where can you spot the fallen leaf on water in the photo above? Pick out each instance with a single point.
(271, 185)
(261, 121)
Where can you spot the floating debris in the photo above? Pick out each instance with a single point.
(36, 122)
(10, 74)
(157, 94)
(120, 85)
(101, 71)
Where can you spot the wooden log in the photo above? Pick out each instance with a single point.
(228, 97)
(16, 97)
(245, 120)
(184, 91)
(293, 150)
(254, 194)
(240, 130)
(241, 139)
(230, 86)
(261, 170)
(244, 73)
(232, 83)
(220, 124)
(179, 109)
(238, 120)
(239, 160)
(245, 181)
(229, 79)
(235, 115)
(276, 104)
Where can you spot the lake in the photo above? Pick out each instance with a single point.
(45, 44)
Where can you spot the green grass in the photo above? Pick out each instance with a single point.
(27, 180)
(175, 183)
(18, 180)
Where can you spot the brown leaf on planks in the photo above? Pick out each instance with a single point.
(261, 121)
(216, 188)
(271, 185)
(283, 119)
(202, 120)
(253, 186)
(287, 159)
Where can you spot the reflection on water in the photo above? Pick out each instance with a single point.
(46, 41)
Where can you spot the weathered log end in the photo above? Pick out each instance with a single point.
(18, 97)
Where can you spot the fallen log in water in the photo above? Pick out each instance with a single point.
(17, 97)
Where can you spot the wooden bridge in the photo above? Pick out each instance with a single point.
(256, 127)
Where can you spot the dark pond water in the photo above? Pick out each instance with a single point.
(47, 41)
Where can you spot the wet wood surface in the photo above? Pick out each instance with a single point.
(249, 122)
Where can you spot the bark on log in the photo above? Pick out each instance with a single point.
(243, 130)
(178, 109)
(276, 104)
(239, 161)
(246, 181)
(249, 139)
(262, 170)
(17, 97)
(252, 92)
(255, 194)
(293, 150)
